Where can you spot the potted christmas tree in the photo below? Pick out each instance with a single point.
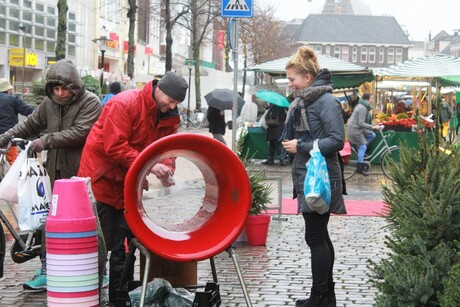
(258, 221)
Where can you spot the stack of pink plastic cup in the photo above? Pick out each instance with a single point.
(71, 246)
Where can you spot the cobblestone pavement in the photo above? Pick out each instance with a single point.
(278, 273)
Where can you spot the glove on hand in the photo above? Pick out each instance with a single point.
(37, 145)
(3, 141)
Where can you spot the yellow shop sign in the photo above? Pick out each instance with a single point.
(17, 58)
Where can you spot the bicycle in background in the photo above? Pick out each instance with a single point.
(387, 153)
(26, 244)
(194, 120)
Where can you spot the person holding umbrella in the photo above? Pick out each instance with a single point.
(218, 101)
(274, 119)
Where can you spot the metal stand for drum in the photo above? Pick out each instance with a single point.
(210, 297)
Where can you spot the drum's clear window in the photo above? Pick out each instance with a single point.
(173, 207)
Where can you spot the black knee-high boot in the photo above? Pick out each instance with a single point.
(331, 300)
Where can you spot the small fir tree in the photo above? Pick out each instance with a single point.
(424, 210)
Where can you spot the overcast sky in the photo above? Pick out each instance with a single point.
(417, 16)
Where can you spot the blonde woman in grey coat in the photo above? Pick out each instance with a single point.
(360, 129)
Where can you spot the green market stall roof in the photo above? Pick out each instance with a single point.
(344, 74)
(443, 68)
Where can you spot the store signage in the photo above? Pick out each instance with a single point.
(17, 58)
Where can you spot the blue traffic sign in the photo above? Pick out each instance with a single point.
(237, 8)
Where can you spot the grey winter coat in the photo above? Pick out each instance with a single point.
(65, 127)
(326, 124)
(357, 126)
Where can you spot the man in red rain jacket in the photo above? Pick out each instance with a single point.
(129, 122)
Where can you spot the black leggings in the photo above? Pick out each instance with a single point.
(321, 248)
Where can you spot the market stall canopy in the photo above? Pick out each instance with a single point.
(400, 84)
(344, 74)
(446, 69)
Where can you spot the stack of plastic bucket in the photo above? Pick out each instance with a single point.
(71, 246)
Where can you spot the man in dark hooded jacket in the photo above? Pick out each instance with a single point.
(62, 123)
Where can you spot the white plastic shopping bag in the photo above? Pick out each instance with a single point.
(34, 195)
(9, 184)
(317, 187)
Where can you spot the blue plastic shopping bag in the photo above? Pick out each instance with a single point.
(317, 187)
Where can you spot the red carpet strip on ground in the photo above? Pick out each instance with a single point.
(354, 207)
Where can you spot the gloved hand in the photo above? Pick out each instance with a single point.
(37, 145)
(3, 141)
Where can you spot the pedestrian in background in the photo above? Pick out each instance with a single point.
(216, 119)
(10, 107)
(274, 119)
(360, 129)
(445, 114)
(315, 114)
(133, 120)
(248, 113)
(114, 88)
(63, 119)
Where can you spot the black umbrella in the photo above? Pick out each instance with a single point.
(222, 99)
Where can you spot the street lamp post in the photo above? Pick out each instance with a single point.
(22, 28)
(190, 66)
(102, 43)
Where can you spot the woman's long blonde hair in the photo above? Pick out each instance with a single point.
(304, 61)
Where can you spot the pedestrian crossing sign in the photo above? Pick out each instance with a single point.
(237, 8)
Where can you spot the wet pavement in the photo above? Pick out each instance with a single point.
(278, 273)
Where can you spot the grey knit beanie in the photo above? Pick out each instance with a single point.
(174, 86)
